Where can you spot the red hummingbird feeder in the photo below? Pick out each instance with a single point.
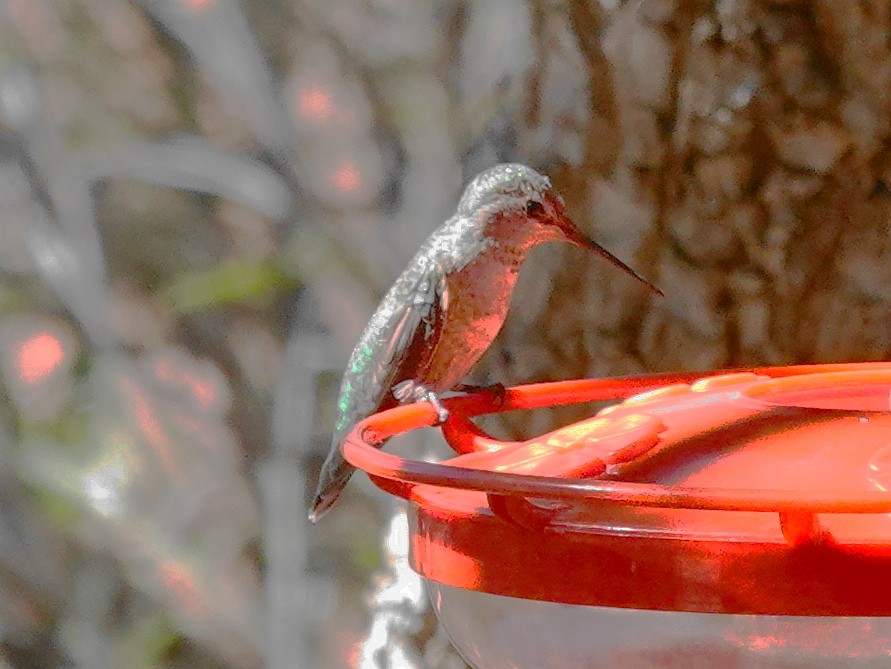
(734, 519)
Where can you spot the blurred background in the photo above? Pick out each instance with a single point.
(201, 202)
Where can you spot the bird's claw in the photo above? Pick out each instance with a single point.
(408, 391)
(442, 414)
(405, 391)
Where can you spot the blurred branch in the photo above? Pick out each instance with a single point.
(192, 163)
(218, 37)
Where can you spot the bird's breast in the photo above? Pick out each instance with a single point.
(478, 299)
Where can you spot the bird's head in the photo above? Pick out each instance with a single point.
(518, 207)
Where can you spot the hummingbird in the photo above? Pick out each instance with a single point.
(449, 303)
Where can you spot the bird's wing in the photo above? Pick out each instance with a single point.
(393, 348)
(419, 323)
(403, 332)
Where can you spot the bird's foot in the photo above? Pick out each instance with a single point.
(497, 390)
(412, 391)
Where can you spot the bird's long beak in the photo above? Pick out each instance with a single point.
(577, 237)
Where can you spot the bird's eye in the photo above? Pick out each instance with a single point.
(534, 208)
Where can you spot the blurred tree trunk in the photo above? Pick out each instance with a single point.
(736, 154)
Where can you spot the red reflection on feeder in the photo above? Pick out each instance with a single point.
(879, 469)
(852, 638)
(38, 357)
(763, 642)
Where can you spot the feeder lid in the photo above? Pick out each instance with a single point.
(763, 492)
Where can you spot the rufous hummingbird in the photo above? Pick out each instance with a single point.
(447, 306)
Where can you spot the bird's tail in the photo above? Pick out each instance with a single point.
(332, 479)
